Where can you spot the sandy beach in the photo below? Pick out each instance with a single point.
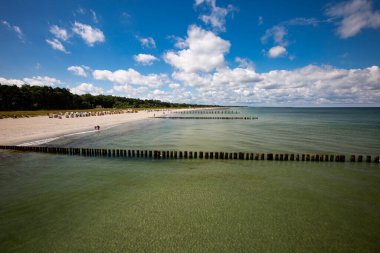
(26, 131)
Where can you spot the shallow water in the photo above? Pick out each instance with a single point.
(57, 203)
(291, 130)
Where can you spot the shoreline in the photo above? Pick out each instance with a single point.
(42, 129)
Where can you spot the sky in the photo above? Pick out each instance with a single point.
(225, 52)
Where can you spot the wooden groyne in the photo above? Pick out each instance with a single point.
(207, 112)
(218, 118)
(171, 154)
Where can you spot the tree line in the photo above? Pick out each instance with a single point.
(28, 97)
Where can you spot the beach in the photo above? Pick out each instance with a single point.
(37, 129)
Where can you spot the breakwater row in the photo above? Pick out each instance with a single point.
(207, 112)
(159, 154)
(218, 118)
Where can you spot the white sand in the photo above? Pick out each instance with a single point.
(28, 130)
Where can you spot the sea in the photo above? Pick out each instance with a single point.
(59, 203)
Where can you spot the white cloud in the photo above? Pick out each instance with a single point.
(277, 33)
(89, 34)
(277, 51)
(78, 70)
(57, 45)
(147, 42)
(59, 33)
(354, 16)
(303, 22)
(15, 29)
(260, 20)
(16, 82)
(33, 81)
(130, 91)
(94, 16)
(145, 59)
(308, 86)
(87, 88)
(42, 81)
(174, 85)
(217, 16)
(244, 63)
(131, 77)
(205, 52)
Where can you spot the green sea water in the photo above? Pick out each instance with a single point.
(53, 203)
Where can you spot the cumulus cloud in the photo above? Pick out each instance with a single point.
(15, 29)
(78, 70)
(147, 42)
(42, 81)
(308, 86)
(354, 16)
(204, 52)
(130, 91)
(16, 82)
(174, 95)
(57, 45)
(87, 88)
(33, 81)
(89, 34)
(217, 16)
(145, 59)
(131, 77)
(174, 85)
(59, 33)
(244, 63)
(277, 51)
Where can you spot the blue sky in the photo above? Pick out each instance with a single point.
(259, 53)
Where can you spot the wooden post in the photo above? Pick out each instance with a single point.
(352, 158)
(195, 155)
(270, 157)
(360, 158)
(200, 155)
(291, 157)
(368, 159)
